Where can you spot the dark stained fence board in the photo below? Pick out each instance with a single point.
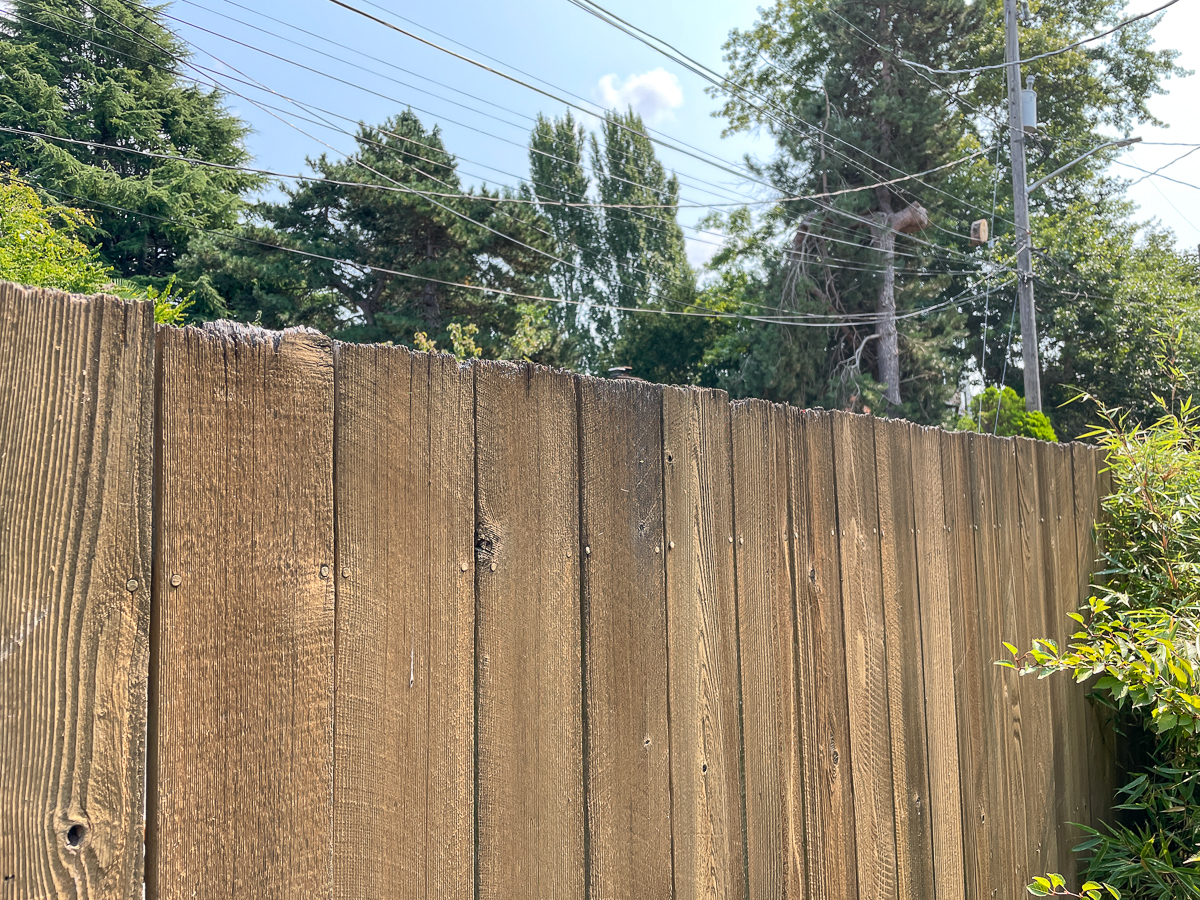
(1037, 734)
(969, 673)
(625, 639)
(243, 730)
(866, 654)
(707, 822)
(934, 545)
(1000, 823)
(76, 453)
(1091, 485)
(405, 576)
(825, 751)
(906, 676)
(530, 815)
(766, 628)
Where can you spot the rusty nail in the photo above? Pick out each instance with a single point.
(176, 580)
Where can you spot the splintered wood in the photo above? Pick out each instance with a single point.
(418, 628)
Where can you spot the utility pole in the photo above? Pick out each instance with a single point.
(1016, 137)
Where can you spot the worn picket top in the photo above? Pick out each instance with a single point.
(76, 413)
(242, 673)
(421, 628)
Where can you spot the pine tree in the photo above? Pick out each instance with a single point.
(109, 71)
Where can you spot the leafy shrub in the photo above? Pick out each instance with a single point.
(1004, 413)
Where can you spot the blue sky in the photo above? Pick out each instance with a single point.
(575, 53)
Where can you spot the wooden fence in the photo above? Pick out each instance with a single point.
(385, 625)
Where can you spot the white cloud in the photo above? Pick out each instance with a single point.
(653, 95)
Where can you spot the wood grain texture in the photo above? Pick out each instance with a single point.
(766, 629)
(243, 706)
(866, 654)
(1001, 829)
(625, 639)
(934, 545)
(969, 667)
(707, 818)
(1069, 703)
(1037, 735)
(405, 576)
(530, 793)
(825, 752)
(905, 673)
(76, 456)
(1091, 484)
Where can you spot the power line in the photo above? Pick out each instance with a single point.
(1095, 37)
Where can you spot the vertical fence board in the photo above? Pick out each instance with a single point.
(866, 654)
(825, 753)
(906, 676)
(625, 639)
(1091, 485)
(530, 794)
(969, 673)
(76, 409)
(1069, 705)
(766, 629)
(934, 545)
(706, 775)
(1037, 735)
(244, 663)
(404, 758)
(997, 816)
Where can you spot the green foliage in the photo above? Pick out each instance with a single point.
(1054, 885)
(1003, 413)
(39, 243)
(1139, 638)
(108, 71)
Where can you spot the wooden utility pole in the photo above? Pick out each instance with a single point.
(1016, 137)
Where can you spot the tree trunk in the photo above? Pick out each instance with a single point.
(889, 343)
(431, 309)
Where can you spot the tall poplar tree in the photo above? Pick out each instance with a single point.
(110, 72)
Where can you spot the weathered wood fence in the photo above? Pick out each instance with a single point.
(368, 623)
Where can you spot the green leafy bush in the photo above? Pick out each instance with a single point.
(1004, 413)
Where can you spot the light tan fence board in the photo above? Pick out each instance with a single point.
(707, 821)
(76, 453)
(405, 579)
(244, 583)
(766, 626)
(530, 816)
(866, 655)
(830, 834)
(625, 639)
(934, 543)
(906, 675)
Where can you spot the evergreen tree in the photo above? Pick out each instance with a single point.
(108, 71)
(394, 221)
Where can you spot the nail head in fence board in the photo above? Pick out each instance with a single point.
(244, 668)
(906, 676)
(625, 639)
(76, 452)
(1069, 702)
(825, 728)
(766, 628)
(934, 547)
(968, 661)
(1091, 485)
(866, 654)
(528, 656)
(706, 776)
(404, 758)
(998, 831)
(1038, 735)
(1010, 609)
